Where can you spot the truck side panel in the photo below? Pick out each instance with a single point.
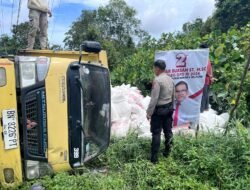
(9, 159)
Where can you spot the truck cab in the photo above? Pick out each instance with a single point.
(54, 111)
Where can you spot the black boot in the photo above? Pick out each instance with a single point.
(166, 153)
(168, 147)
(154, 158)
(155, 146)
(167, 150)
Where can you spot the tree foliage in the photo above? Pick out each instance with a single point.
(228, 13)
(20, 35)
(6, 44)
(231, 13)
(117, 21)
(114, 25)
(85, 28)
(17, 40)
(195, 26)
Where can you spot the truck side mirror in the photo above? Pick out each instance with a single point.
(90, 47)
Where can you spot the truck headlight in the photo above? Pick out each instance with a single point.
(32, 69)
(36, 169)
(2, 76)
(42, 67)
(8, 175)
(32, 169)
(27, 74)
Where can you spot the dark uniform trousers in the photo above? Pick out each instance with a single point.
(159, 122)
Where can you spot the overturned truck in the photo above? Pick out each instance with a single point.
(54, 111)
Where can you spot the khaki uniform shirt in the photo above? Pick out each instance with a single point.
(39, 5)
(162, 92)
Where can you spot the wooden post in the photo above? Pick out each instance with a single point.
(246, 68)
(197, 130)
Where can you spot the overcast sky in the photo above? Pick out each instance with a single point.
(157, 16)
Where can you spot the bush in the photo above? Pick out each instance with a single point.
(135, 70)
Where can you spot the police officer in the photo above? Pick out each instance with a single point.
(38, 11)
(160, 110)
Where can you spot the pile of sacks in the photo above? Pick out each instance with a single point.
(128, 110)
(128, 113)
(210, 121)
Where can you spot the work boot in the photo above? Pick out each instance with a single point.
(168, 146)
(166, 153)
(154, 158)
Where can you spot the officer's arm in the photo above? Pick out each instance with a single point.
(154, 98)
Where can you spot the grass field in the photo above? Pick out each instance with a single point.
(206, 162)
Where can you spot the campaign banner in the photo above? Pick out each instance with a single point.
(188, 70)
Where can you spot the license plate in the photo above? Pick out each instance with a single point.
(10, 129)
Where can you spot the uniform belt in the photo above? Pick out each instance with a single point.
(164, 105)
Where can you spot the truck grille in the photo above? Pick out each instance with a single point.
(36, 133)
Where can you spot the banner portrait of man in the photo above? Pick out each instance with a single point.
(188, 70)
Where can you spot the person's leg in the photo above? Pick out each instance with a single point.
(167, 129)
(204, 98)
(44, 30)
(34, 27)
(207, 98)
(156, 137)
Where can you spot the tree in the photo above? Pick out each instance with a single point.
(207, 26)
(231, 13)
(20, 36)
(193, 27)
(115, 26)
(56, 47)
(117, 21)
(85, 28)
(18, 40)
(228, 13)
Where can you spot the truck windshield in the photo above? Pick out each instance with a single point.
(96, 109)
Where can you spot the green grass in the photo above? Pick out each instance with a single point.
(206, 162)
